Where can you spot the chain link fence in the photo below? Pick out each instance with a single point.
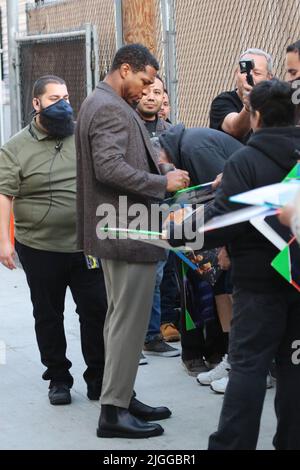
(65, 57)
(69, 15)
(211, 35)
(160, 38)
(209, 38)
(65, 15)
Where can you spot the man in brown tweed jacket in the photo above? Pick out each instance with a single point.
(115, 158)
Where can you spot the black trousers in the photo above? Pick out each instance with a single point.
(199, 342)
(169, 292)
(264, 326)
(48, 276)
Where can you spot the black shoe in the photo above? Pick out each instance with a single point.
(93, 391)
(158, 347)
(146, 412)
(195, 366)
(118, 422)
(59, 394)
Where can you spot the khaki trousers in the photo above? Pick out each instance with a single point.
(130, 289)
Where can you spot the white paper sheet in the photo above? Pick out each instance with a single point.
(276, 195)
(235, 217)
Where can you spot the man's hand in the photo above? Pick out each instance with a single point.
(224, 260)
(177, 179)
(286, 214)
(217, 181)
(246, 92)
(7, 255)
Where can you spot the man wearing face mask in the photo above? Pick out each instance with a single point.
(38, 177)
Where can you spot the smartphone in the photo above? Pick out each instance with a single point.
(246, 65)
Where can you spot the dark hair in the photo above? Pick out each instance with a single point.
(273, 99)
(295, 47)
(161, 80)
(39, 86)
(136, 55)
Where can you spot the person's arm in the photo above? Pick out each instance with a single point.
(237, 124)
(236, 179)
(290, 216)
(109, 142)
(10, 181)
(223, 115)
(7, 252)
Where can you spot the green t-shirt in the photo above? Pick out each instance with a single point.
(40, 173)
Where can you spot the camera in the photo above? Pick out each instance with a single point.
(246, 65)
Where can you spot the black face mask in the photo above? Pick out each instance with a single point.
(58, 119)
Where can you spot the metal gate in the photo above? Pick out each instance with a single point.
(72, 56)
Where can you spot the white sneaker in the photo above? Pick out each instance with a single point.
(219, 372)
(219, 386)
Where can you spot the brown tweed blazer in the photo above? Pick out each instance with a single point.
(114, 158)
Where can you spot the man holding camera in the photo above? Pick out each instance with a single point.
(230, 111)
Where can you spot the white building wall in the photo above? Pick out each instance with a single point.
(4, 88)
(22, 29)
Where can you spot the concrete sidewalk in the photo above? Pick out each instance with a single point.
(28, 421)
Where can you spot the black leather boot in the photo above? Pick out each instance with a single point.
(146, 412)
(118, 422)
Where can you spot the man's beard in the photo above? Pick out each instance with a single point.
(58, 128)
(148, 114)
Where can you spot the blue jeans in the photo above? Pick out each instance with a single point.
(154, 323)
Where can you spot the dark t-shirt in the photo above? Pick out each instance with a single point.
(151, 127)
(224, 104)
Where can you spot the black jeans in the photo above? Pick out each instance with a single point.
(203, 341)
(169, 292)
(198, 343)
(48, 276)
(264, 326)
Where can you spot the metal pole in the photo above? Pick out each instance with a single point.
(1, 103)
(165, 32)
(19, 91)
(172, 62)
(96, 56)
(119, 23)
(12, 7)
(88, 54)
(45, 37)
